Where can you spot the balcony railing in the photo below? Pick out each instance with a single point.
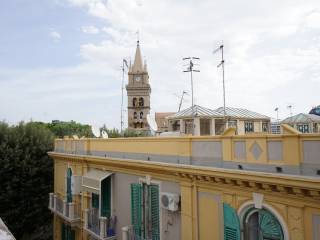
(68, 211)
(101, 228)
(129, 234)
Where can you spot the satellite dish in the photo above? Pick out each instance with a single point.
(104, 134)
(75, 137)
(96, 131)
(152, 123)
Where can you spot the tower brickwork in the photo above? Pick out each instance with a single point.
(138, 92)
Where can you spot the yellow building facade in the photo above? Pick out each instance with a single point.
(231, 187)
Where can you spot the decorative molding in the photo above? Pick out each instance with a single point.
(295, 222)
(257, 199)
(252, 181)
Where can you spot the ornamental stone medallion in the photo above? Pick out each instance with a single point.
(256, 150)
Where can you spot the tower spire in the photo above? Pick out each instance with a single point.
(137, 64)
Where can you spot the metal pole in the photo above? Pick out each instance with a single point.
(181, 99)
(192, 106)
(224, 89)
(191, 85)
(121, 121)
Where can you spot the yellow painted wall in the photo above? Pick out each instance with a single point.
(201, 216)
(210, 215)
(182, 146)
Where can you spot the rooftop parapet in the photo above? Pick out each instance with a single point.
(287, 153)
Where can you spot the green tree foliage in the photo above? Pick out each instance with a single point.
(115, 133)
(26, 178)
(61, 129)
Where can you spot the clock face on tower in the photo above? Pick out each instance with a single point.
(137, 78)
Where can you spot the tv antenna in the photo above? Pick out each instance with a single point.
(190, 68)
(181, 99)
(123, 68)
(221, 64)
(277, 110)
(290, 106)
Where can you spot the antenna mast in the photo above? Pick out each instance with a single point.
(181, 100)
(124, 64)
(221, 64)
(190, 69)
(290, 109)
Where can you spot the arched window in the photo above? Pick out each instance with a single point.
(261, 224)
(135, 115)
(69, 192)
(141, 102)
(141, 125)
(141, 115)
(134, 102)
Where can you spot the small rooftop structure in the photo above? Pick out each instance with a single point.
(201, 121)
(315, 110)
(198, 111)
(302, 118)
(303, 122)
(241, 113)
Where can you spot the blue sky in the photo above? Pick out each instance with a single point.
(60, 59)
(26, 25)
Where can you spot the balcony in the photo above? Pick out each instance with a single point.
(70, 212)
(129, 234)
(101, 228)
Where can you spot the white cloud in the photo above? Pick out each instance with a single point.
(90, 29)
(55, 36)
(271, 53)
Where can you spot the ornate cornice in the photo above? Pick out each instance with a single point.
(291, 185)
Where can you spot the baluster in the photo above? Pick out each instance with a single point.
(103, 227)
(64, 209)
(86, 218)
(71, 210)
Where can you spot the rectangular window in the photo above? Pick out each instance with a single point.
(248, 127)
(304, 128)
(95, 200)
(265, 127)
(189, 126)
(106, 197)
(205, 127)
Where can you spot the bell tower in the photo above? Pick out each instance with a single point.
(138, 92)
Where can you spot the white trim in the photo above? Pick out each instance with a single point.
(249, 204)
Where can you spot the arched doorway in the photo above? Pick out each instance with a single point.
(261, 224)
(69, 192)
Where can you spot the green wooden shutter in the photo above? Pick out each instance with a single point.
(63, 232)
(73, 235)
(269, 226)
(155, 213)
(106, 197)
(95, 200)
(136, 207)
(231, 223)
(69, 193)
